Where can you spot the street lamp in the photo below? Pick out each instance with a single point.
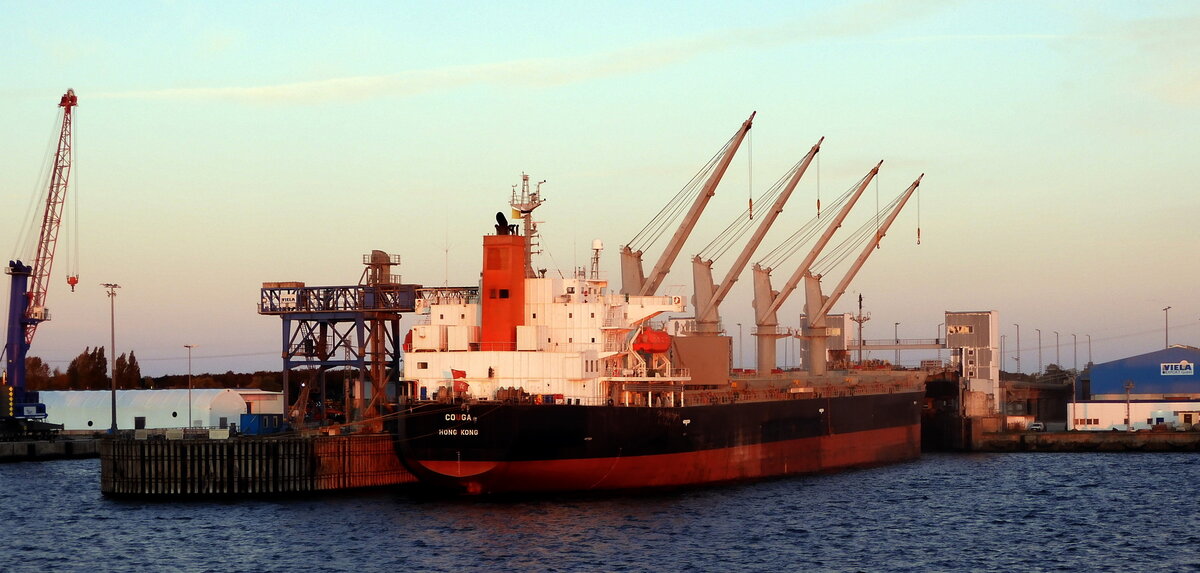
(739, 345)
(1089, 348)
(1057, 354)
(1075, 341)
(897, 335)
(1019, 371)
(189, 347)
(112, 321)
(1128, 416)
(1166, 328)
(1039, 370)
(1003, 355)
(938, 340)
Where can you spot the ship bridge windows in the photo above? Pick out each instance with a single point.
(422, 366)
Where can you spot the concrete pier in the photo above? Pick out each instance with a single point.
(248, 465)
(48, 450)
(1088, 442)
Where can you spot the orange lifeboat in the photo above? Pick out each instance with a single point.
(652, 342)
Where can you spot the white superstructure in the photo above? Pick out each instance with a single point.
(573, 337)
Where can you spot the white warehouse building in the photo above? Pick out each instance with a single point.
(156, 409)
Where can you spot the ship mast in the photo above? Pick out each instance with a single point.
(523, 203)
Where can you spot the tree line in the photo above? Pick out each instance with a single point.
(89, 371)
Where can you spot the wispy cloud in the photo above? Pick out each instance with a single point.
(1154, 55)
(1167, 48)
(545, 72)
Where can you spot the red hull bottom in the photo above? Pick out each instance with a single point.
(806, 455)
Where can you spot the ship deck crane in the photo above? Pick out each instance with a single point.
(633, 280)
(708, 297)
(31, 283)
(767, 301)
(817, 306)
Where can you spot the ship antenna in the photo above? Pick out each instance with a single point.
(523, 204)
(597, 246)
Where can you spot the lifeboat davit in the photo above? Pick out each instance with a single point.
(652, 341)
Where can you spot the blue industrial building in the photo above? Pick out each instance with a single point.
(1165, 393)
(1170, 372)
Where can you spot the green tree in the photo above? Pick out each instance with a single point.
(89, 370)
(120, 371)
(128, 373)
(135, 371)
(37, 373)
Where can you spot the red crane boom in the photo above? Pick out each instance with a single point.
(48, 238)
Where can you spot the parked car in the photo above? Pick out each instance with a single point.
(1037, 427)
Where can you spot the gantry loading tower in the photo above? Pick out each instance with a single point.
(357, 327)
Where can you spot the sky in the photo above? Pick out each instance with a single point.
(220, 145)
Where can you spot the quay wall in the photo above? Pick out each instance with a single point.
(48, 450)
(1087, 442)
(248, 465)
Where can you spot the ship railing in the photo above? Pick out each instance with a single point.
(448, 295)
(689, 326)
(494, 346)
(292, 298)
(889, 343)
(615, 372)
(554, 400)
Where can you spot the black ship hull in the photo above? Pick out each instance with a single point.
(493, 447)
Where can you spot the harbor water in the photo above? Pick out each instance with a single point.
(945, 512)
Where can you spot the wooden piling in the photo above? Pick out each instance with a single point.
(248, 465)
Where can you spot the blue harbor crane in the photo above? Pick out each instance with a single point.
(20, 411)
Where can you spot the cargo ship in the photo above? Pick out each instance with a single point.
(533, 383)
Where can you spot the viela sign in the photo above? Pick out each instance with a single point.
(1181, 368)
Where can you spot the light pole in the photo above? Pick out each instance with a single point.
(1089, 348)
(1039, 370)
(1074, 404)
(897, 335)
(1019, 371)
(940, 342)
(1166, 328)
(189, 347)
(1128, 417)
(112, 322)
(739, 345)
(1057, 353)
(1075, 342)
(1003, 356)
